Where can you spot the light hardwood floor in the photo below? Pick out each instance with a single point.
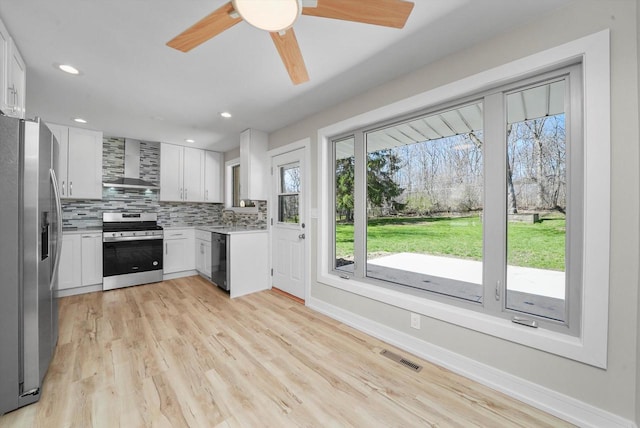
(182, 354)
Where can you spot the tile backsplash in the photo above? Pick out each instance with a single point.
(88, 213)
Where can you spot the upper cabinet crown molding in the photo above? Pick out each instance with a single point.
(13, 76)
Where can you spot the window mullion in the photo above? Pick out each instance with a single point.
(575, 199)
(360, 205)
(495, 202)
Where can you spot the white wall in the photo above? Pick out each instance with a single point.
(614, 389)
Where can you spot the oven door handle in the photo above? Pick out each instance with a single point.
(131, 238)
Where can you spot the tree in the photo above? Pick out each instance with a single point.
(382, 165)
(345, 169)
(381, 186)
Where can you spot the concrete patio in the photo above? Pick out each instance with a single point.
(535, 291)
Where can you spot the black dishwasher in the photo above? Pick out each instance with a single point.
(220, 260)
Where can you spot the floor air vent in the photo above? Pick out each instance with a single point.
(398, 359)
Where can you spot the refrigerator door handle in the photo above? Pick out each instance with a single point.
(56, 193)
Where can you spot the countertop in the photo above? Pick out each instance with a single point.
(231, 230)
(227, 230)
(79, 230)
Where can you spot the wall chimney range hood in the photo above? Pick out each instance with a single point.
(131, 179)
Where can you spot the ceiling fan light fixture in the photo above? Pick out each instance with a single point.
(269, 15)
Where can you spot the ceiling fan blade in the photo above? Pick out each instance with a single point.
(388, 13)
(203, 30)
(289, 51)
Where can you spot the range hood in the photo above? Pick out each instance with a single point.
(131, 179)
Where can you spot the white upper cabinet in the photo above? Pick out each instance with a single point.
(4, 54)
(16, 82)
(254, 182)
(171, 165)
(213, 176)
(80, 162)
(85, 164)
(62, 135)
(13, 76)
(192, 175)
(188, 174)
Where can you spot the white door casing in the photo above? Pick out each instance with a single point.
(288, 218)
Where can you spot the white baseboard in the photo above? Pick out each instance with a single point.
(550, 401)
(78, 290)
(182, 274)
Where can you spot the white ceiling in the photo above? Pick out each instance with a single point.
(133, 85)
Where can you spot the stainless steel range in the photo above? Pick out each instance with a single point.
(131, 249)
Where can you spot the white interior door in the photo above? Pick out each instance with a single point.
(288, 223)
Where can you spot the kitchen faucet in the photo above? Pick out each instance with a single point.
(234, 221)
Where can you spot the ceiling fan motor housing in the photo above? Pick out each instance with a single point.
(269, 15)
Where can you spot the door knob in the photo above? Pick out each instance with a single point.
(301, 236)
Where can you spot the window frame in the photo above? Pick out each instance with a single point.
(228, 189)
(280, 192)
(590, 346)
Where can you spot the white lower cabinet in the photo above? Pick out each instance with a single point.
(91, 258)
(80, 260)
(248, 246)
(203, 253)
(70, 270)
(178, 250)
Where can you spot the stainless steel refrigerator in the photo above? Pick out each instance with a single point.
(30, 242)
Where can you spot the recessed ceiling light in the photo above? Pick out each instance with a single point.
(189, 140)
(69, 69)
(79, 120)
(225, 114)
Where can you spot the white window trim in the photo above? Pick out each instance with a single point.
(591, 346)
(228, 190)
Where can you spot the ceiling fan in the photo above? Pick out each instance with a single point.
(278, 17)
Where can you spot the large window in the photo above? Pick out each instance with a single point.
(477, 202)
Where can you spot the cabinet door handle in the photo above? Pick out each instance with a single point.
(64, 192)
(71, 188)
(206, 192)
(13, 92)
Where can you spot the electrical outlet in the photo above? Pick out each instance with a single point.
(415, 321)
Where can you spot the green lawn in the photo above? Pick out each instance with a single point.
(539, 245)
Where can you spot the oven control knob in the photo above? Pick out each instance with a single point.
(113, 234)
(121, 234)
(134, 233)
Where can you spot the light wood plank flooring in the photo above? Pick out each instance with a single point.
(182, 354)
